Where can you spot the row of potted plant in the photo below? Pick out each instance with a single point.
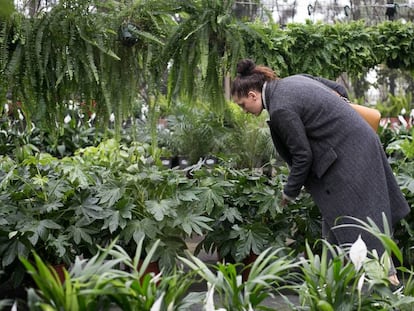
(334, 279)
(65, 207)
(248, 217)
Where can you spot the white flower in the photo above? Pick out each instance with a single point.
(67, 119)
(358, 253)
(93, 116)
(210, 297)
(403, 121)
(156, 278)
(21, 117)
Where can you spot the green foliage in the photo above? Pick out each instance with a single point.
(348, 279)
(73, 53)
(394, 44)
(194, 131)
(332, 282)
(249, 144)
(7, 8)
(318, 48)
(65, 207)
(73, 205)
(19, 142)
(100, 283)
(400, 148)
(205, 44)
(326, 281)
(248, 216)
(242, 204)
(395, 105)
(403, 147)
(321, 49)
(269, 273)
(178, 48)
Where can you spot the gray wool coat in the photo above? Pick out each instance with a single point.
(334, 154)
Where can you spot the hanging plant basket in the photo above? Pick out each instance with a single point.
(127, 34)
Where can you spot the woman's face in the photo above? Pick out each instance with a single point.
(252, 103)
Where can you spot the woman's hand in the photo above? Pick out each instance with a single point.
(286, 199)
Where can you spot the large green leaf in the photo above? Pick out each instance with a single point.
(161, 209)
(191, 223)
(109, 194)
(82, 234)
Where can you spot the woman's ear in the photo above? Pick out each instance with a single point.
(253, 94)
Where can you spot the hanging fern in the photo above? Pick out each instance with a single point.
(76, 53)
(73, 54)
(206, 44)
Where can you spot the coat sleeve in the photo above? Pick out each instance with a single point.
(291, 131)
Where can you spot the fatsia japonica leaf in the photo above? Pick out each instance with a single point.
(212, 196)
(75, 174)
(188, 195)
(406, 182)
(90, 209)
(253, 238)
(109, 194)
(161, 209)
(52, 206)
(193, 223)
(231, 214)
(57, 188)
(82, 234)
(40, 229)
(137, 229)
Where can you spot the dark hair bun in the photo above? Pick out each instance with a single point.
(245, 67)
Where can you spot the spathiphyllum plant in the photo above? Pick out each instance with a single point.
(99, 283)
(400, 148)
(351, 279)
(271, 272)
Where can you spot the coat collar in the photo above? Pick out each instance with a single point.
(269, 87)
(264, 96)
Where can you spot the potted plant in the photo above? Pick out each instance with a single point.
(98, 283)
(167, 208)
(134, 198)
(244, 206)
(31, 211)
(270, 273)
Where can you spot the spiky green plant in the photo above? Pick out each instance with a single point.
(100, 283)
(269, 274)
(338, 279)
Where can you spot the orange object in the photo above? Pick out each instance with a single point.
(371, 115)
